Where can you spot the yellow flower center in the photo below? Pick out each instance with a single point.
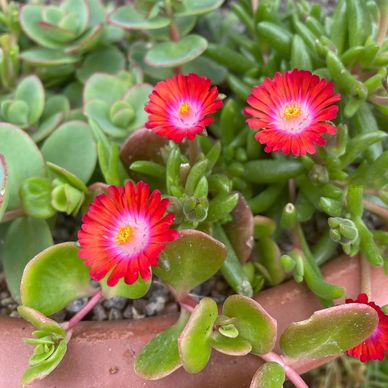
(292, 111)
(184, 109)
(124, 235)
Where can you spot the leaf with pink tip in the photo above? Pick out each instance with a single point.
(253, 323)
(3, 186)
(329, 332)
(190, 260)
(269, 375)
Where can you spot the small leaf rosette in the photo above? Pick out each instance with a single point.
(291, 111)
(124, 232)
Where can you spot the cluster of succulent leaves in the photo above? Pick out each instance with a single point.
(75, 78)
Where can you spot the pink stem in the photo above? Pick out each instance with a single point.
(291, 374)
(365, 285)
(84, 311)
(380, 211)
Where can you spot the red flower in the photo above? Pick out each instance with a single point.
(291, 110)
(179, 106)
(374, 347)
(124, 232)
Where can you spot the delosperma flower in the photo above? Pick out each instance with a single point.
(124, 232)
(179, 107)
(375, 346)
(291, 111)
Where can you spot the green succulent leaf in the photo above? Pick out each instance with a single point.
(269, 375)
(329, 332)
(23, 160)
(190, 260)
(160, 357)
(195, 342)
(253, 323)
(72, 146)
(4, 190)
(232, 346)
(206, 67)
(25, 238)
(67, 177)
(170, 54)
(131, 19)
(198, 7)
(54, 278)
(48, 57)
(130, 291)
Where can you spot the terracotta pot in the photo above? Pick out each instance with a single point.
(101, 354)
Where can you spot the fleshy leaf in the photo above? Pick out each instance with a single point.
(160, 357)
(190, 260)
(197, 7)
(133, 291)
(233, 346)
(195, 344)
(329, 332)
(23, 160)
(129, 18)
(25, 238)
(269, 375)
(3, 186)
(72, 147)
(48, 57)
(253, 323)
(170, 54)
(54, 278)
(67, 177)
(240, 229)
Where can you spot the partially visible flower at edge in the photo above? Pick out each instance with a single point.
(375, 346)
(179, 106)
(124, 232)
(291, 111)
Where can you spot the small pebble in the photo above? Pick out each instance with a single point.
(99, 313)
(155, 306)
(136, 314)
(76, 305)
(117, 301)
(115, 314)
(7, 302)
(14, 314)
(127, 314)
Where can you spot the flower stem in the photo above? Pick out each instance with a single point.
(173, 29)
(365, 285)
(383, 23)
(85, 310)
(194, 150)
(380, 211)
(291, 374)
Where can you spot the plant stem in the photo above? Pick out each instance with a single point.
(194, 149)
(380, 211)
(383, 23)
(84, 311)
(173, 29)
(365, 285)
(291, 374)
(12, 214)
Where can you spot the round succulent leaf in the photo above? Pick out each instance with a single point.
(240, 229)
(206, 67)
(4, 190)
(232, 346)
(40, 321)
(137, 97)
(105, 88)
(105, 60)
(137, 54)
(86, 42)
(56, 104)
(198, 7)
(228, 330)
(25, 238)
(31, 20)
(54, 278)
(190, 260)
(184, 25)
(195, 342)
(269, 375)
(23, 160)
(48, 57)
(17, 113)
(41, 370)
(124, 290)
(35, 194)
(160, 357)
(170, 54)
(72, 146)
(329, 332)
(31, 91)
(78, 11)
(46, 127)
(253, 323)
(67, 177)
(67, 199)
(99, 111)
(131, 19)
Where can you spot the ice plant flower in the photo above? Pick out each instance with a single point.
(374, 347)
(180, 106)
(291, 111)
(124, 232)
